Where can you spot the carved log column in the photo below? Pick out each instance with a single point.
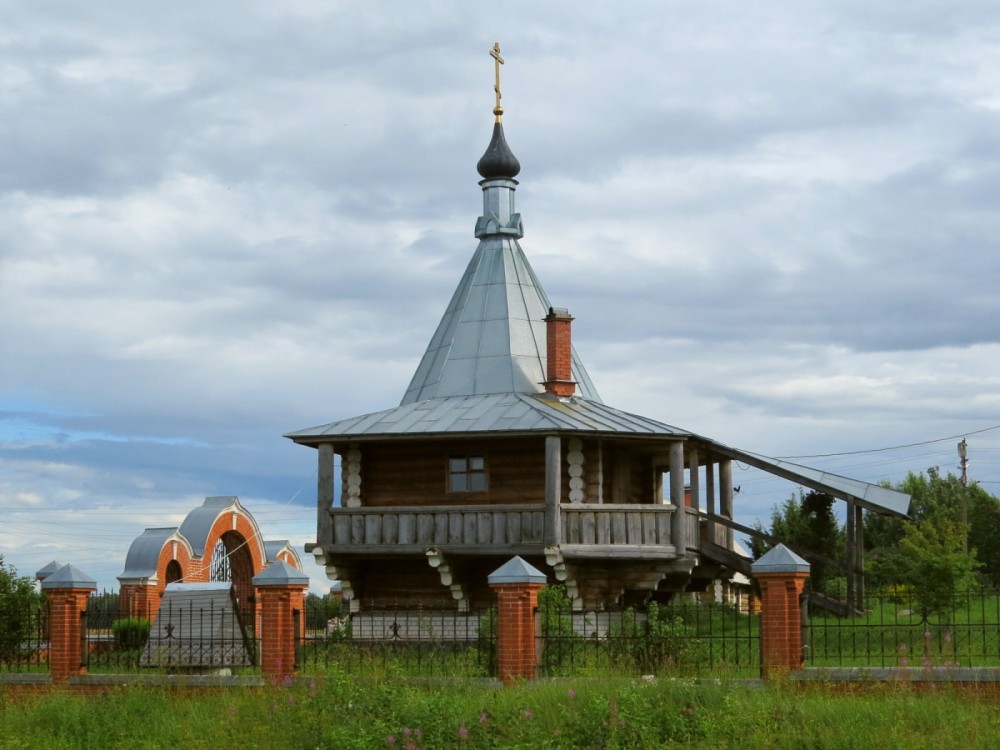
(679, 518)
(324, 496)
(726, 496)
(553, 490)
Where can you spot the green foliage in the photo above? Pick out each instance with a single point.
(652, 643)
(806, 523)
(928, 554)
(935, 565)
(20, 612)
(130, 633)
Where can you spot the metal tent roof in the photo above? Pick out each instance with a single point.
(495, 413)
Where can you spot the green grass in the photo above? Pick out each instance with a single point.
(343, 713)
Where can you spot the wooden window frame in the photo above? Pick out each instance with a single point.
(469, 472)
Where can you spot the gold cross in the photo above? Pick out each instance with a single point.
(495, 54)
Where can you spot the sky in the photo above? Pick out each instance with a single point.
(775, 224)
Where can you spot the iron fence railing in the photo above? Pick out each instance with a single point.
(412, 642)
(23, 635)
(905, 628)
(683, 637)
(202, 634)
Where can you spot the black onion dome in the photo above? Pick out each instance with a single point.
(498, 161)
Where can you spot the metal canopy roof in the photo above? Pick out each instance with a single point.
(871, 496)
(495, 413)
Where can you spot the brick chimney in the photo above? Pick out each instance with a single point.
(559, 353)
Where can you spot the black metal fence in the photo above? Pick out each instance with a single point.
(905, 628)
(24, 641)
(202, 632)
(683, 637)
(412, 642)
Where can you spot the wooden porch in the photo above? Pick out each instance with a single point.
(643, 531)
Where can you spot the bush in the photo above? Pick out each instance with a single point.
(20, 612)
(130, 633)
(659, 641)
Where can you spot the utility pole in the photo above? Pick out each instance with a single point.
(963, 453)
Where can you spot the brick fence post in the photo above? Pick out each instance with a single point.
(137, 599)
(517, 584)
(782, 577)
(67, 591)
(281, 594)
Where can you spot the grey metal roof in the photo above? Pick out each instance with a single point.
(280, 573)
(497, 413)
(491, 338)
(516, 570)
(780, 559)
(144, 553)
(274, 547)
(45, 571)
(199, 521)
(69, 577)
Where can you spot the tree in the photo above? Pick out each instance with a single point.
(936, 499)
(806, 523)
(19, 611)
(935, 564)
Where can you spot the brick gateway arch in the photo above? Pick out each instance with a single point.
(217, 541)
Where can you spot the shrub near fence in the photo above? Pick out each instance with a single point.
(894, 631)
(23, 640)
(683, 637)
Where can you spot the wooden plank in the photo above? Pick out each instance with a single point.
(390, 528)
(618, 552)
(633, 528)
(469, 531)
(499, 527)
(588, 526)
(649, 528)
(618, 535)
(342, 529)
(484, 527)
(425, 529)
(373, 529)
(603, 528)
(532, 527)
(447, 527)
(357, 529)
(406, 528)
(572, 532)
(514, 528)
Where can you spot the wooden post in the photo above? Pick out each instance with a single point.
(679, 518)
(726, 496)
(851, 544)
(324, 496)
(281, 593)
(859, 538)
(67, 590)
(782, 577)
(517, 584)
(710, 497)
(553, 489)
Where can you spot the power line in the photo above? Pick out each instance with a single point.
(893, 447)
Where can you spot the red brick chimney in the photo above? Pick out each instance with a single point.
(559, 353)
